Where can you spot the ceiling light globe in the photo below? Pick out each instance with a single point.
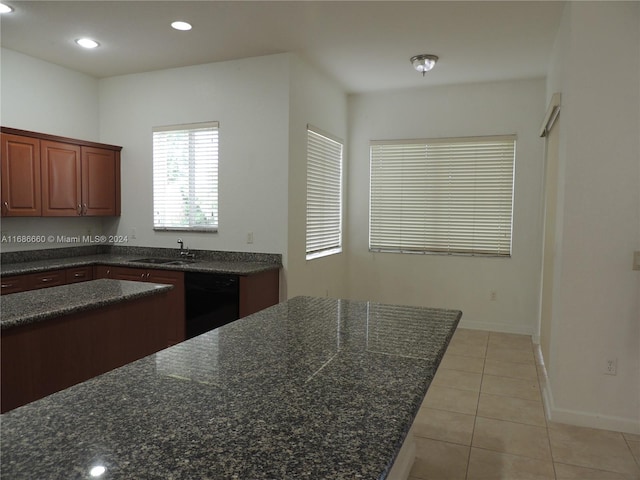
(424, 63)
(4, 8)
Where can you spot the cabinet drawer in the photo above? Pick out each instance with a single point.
(15, 284)
(101, 271)
(79, 274)
(47, 279)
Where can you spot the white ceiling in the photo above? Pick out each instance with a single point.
(364, 45)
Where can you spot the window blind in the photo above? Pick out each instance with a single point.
(452, 196)
(324, 194)
(185, 177)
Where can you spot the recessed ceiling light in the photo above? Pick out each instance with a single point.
(181, 25)
(4, 8)
(87, 43)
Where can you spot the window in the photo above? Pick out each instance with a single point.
(451, 196)
(185, 177)
(324, 194)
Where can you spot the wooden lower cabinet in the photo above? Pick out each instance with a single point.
(259, 291)
(52, 278)
(175, 325)
(42, 358)
(15, 284)
(79, 274)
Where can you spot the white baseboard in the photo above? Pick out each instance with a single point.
(585, 419)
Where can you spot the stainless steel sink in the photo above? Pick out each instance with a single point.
(152, 260)
(163, 261)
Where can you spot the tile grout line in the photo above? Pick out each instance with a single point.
(626, 440)
(546, 422)
(475, 420)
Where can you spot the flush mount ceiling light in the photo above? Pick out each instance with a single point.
(87, 43)
(184, 26)
(424, 63)
(4, 8)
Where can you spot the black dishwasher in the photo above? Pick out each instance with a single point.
(211, 300)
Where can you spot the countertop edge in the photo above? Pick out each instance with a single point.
(87, 304)
(204, 266)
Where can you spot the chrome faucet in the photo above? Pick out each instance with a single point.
(184, 252)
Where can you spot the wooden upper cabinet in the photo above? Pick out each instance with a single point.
(20, 177)
(100, 182)
(61, 179)
(51, 176)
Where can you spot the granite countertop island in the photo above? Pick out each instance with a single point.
(37, 305)
(309, 388)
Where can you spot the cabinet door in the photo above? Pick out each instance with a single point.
(259, 291)
(102, 271)
(176, 325)
(21, 189)
(61, 179)
(100, 182)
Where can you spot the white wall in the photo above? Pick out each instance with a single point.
(457, 282)
(318, 101)
(596, 292)
(250, 99)
(43, 97)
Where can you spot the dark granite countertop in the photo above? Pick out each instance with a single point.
(38, 305)
(208, 262)
(309, 388)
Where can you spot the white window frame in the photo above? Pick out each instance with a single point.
(451, 196)
(196, 162)
(324, 194)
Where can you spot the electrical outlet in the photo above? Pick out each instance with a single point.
(611, 366)
(636, 260)
(250, 237)
(493, 296)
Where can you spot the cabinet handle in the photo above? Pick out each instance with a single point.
(7, 285)
(79, 209)
(108, 272)
(79, 275)
(46, 280)
(142, 275)
(6, 206)
(148, 275)
(84, 209)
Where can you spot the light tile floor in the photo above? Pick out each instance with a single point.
(483, 418)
